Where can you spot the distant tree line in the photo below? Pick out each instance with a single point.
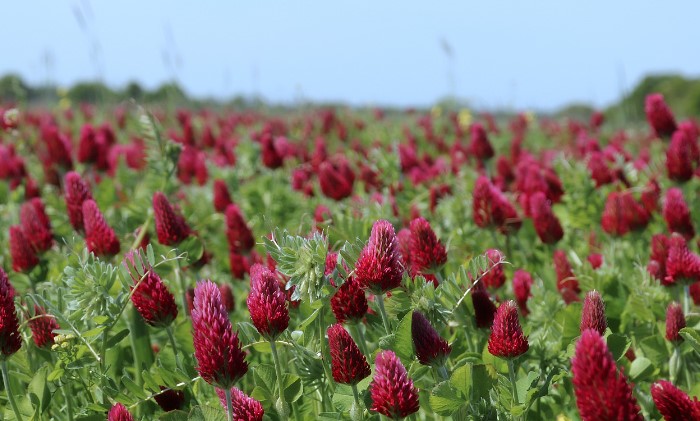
(681, 93)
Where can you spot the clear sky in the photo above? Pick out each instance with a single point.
(523, 54)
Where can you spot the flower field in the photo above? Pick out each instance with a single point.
(339, 264)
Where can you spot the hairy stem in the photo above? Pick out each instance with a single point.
(511, 374)
(229, 404)
(382, 311)
(282, 409)
(10, 396)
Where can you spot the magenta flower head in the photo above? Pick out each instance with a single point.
(546, 223)
(222, 198)
(240, 237)
(170, 399)
(151, 298)
(431, 349)
(36, 225)
(42, 326)
(76, 191)
(99, 237)
(682, 265)
(171, 227)
(675, 321)
(393, 393)
(24, 257)
(10, 339)
(673, 403)
(348, 365)
(677, 214)
(593, 314)
(681, 156)
(119, 413)
(267, 303)
(522, 283)
(220, 360)
(426, 252)
(484, 308)
(480, 145)
(378, 269)
(602, 393)
(349, 303)
(244, 408)
(507, 339)
(659, 115)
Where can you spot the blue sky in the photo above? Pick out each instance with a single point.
(517, 54)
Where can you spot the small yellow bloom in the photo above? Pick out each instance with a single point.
(64, 103)
(530, 117)
(562, 417)
(465, 118)
(436, 111)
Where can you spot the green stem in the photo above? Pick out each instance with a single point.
(442, 373)
(229, 404)
(282, 409)
(382, 311)
(511, 374)
(169, 329)
(142, 232)
(356, 412)
(181, 283)
(360, 338)
(686, 300)
(69, 402)
(10, 396)
(325, 359)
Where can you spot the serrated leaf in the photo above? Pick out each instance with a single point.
(403, 340)
(461, 380)
(445, 399)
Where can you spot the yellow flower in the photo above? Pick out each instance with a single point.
(64, 103)
(465, 118)
(436, 111)
(562, 417)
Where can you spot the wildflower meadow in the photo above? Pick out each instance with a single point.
(347, 264)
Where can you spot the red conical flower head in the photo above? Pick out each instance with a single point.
(426, 251)
(119, 413)
(36, 225)
(42, 326)
(170, 399)
(484, 308)
(593, 314)
(602, 393)
(682, 266)
(546, 223)
(244, 408)
(348, 365)
(673, 403)
(24, 257)
(240, 237)
(378, 268)
(267, 303)
(567, 284)
(171, 227)
(10, 338)
(431, 349)
(349, 303)
(677, 214)
(522, 282)
(222, 198)
(99, 237)
(220, 360)
(76, 192)
(507, 339)
(659, 116)
(151, 298)
(675, 321)
(393, 392)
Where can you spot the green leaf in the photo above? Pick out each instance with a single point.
(292, 388)
(207, 413)
(482, 381)
(343, 397)
(527, 386)
(116, 338)
(133, 388)
(193, 247)
(462, 380)
(265, 377)
(445, 399)
(403, 340)
(641, 368)
(692, 337)
(38, 387)
(618, 345)
(174, 416)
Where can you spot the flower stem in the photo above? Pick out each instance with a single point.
(360, 338)
(686, 299)
(511, 374)
(69, 402)
(169, 329)
(229, 404)
(356, 413)
(282, 408)
(442, 373)
(10, 396)
(382, 311)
